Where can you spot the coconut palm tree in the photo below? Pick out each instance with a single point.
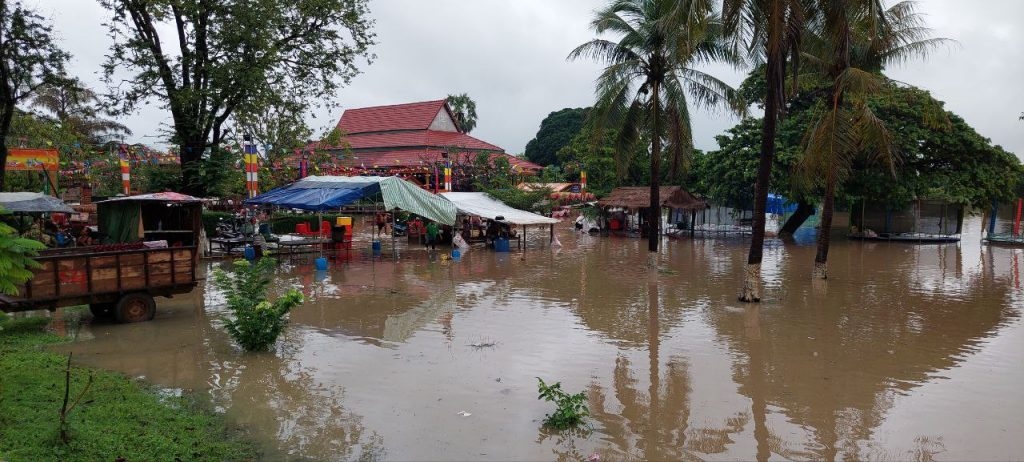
(650, 80)
(770, 31)
(856, 40)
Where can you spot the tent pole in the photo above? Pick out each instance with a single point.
(551, 232)
(394, 240)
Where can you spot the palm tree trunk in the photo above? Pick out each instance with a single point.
(775, 71)
(825, 229)
(654, 220)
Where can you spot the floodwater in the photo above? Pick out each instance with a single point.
(906, 353)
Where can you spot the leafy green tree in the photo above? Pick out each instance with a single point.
(16, 261)
(649, 75)
(256, 322)
(29, 59)
(465, 111)
(204, 59)
(78, 110)
(855, 33)
(770, 31)
(556, 131)
(598, 159)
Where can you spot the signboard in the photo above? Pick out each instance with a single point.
(32, 159)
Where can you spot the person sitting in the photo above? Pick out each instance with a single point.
(85, 237)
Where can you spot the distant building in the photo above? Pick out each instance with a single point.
(413, 140)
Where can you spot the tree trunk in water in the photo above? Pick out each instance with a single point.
(825, 229)
(775, 71)
(803, 212)
(654, 220)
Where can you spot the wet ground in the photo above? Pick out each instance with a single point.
(907, 353)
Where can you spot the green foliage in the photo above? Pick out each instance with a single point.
(598, 158)
(557, 130)
(29, 57)
(256, 322)
(77, 108)
(953, 162)
(16, 259)
(570, 410)
(230, 54)
(464, 109)
(120, 418)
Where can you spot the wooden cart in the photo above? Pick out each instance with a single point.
(121, 283)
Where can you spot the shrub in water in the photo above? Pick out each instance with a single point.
(256, 322)
(571, 409)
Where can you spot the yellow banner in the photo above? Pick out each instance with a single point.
(32, 159)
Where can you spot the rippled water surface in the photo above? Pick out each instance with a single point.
(907, 352)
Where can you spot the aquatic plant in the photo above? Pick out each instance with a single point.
(256, 322)
(570, 409)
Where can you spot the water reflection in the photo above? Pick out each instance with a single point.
(383, 359)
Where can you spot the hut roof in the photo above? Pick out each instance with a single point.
(639, 197)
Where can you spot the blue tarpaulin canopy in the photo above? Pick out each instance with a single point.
(322, 193)
(779, 205)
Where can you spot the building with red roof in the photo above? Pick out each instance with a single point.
(413, 140)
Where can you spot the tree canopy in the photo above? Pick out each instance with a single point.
(29, 59)
(465, 111)
(557, 130)
(203, 59)
(955, 164)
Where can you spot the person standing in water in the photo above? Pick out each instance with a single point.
(432, 235)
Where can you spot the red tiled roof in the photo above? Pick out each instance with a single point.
(419, 138)
(409, 116)
(417, 157)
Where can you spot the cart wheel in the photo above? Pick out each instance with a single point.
(137, 307)
(102, 310)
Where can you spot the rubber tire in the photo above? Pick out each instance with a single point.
(137, 307)
(102, 310)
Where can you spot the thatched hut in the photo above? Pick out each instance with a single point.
(633, 200)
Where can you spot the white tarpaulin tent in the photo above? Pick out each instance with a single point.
(482, 205)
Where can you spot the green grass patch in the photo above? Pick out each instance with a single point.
(117, 418)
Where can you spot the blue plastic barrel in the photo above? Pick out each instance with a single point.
(456, 254)
(376, 248)
(321, 263)
(501, 245)
(250, 253)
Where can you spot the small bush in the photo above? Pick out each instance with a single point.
(256, 322)
(571, 409)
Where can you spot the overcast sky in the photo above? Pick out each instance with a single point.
(510, 57)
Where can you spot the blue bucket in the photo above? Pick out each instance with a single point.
(321, 264)
(456, 254)
(249, 252)
(376, 248)
(501, 245)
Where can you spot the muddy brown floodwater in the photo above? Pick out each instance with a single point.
(907, 353)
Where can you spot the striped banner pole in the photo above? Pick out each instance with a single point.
(447, 179)
(583, 180)
(126, 177)
(251, 167)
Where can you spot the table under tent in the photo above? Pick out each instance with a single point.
(325, 193)
(1003, 223)
(923, 221)
(625, 208)
(481, 205)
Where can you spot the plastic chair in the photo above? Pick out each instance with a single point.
(302, 228)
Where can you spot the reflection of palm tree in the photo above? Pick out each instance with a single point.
(655, 426)
(800, 359)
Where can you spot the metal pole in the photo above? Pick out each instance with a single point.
(394, 240)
